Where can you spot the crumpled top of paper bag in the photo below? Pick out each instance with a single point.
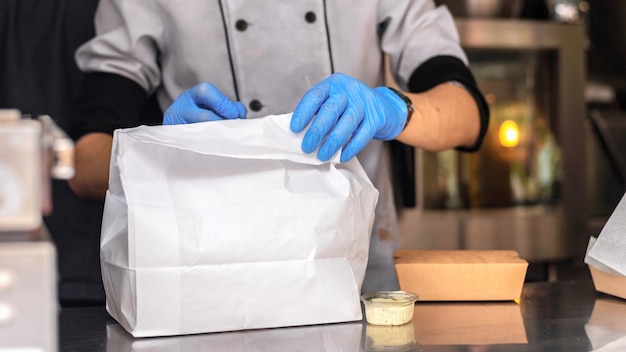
(275, 139)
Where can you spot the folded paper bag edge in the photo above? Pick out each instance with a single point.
(605, 252)
(267, 137)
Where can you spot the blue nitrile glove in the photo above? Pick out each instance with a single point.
(203, 102)
(342, 111)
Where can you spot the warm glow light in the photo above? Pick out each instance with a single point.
(6, 313)
(509, 133)
(7, 280)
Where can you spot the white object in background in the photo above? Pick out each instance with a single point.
(228, 225)
(606, 252)
(21, 173)
(31, 151)
(28, 300)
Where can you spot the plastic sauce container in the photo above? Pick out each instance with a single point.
(389, 307)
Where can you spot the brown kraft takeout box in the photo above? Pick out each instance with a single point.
(608, 283)
(461, 275)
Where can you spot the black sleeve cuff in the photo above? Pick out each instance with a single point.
(106, 102)
(441, 69)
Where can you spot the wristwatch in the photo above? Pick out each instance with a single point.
(409, 105)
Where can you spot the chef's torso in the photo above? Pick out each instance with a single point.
(268, 53)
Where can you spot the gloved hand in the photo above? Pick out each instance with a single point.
(203, 102)
(344, 112)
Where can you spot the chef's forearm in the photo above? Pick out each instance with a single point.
(445, 117)
(92, 155)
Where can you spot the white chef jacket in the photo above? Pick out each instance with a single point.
(267, 54)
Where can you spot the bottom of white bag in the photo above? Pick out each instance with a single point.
(203, 299)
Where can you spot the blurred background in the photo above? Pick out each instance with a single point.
(553, 164)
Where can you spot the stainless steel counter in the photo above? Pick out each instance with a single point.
(557, 316)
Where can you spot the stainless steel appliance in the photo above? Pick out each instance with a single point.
(31, 152)
(525, 188)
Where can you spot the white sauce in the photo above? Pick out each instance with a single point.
(380, 314)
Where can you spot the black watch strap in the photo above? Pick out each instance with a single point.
(409, 105)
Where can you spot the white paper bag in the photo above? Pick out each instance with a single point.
(606, 252)
(227, 225)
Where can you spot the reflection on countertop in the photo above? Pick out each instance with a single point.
(550, 316)
(469, 323)
(606, 328)
(379, 338)
(330, 337)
